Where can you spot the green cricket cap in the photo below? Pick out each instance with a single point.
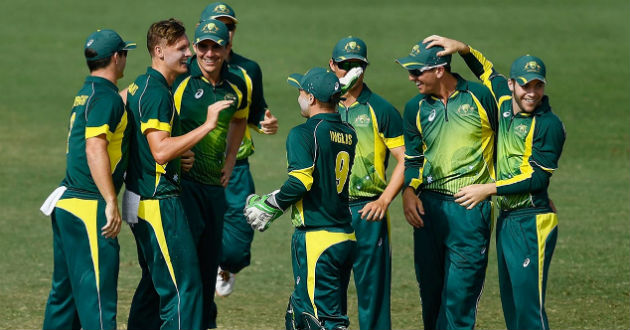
(527, 68)
(320, 82)
(350, 48)
(214, 30)
(105, 43)
(424, 59)
(218, 9)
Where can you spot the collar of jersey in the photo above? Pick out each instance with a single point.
(157, 75)
(100, 80)
(363, 98)
(328, 116)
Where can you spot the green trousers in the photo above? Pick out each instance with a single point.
(526, 239)
(372, 270)
(85, 275)
(165, 244)
(237, 233)
(322, 261)
(204, 206)
(451, 256)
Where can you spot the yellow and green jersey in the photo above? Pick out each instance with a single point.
(257, 104)
(150, 105)
(193, 94)
(97, 110)
(320, 154)
(379, 128)
(528, 144)
(450, 146)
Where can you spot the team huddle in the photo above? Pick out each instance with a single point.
(179, 139)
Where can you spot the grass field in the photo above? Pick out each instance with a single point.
(585, 44)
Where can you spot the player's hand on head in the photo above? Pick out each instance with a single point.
(269, 125)
(413, 208)
(374, 211)
(187, 160)
(450, 46)
(215, 109)
(112, 214)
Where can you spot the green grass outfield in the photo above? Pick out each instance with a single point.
(585, 45)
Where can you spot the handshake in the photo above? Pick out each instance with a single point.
(261, 211)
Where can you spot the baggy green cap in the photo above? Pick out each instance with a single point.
(350, 48)
(320, 82)
(527, 68)
(218, 9)
(424, 59)
(105, 43)
(214, 30)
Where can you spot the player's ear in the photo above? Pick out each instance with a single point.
(158, 51)
(439, 72)
(331, 63)
(511, 85)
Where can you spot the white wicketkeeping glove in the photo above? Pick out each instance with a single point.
(350, 79)
(261, 211)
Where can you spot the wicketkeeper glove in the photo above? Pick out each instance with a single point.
(261, 211)
(350, 79)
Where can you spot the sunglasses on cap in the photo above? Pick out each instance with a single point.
(347, 65)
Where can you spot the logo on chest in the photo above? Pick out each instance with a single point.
(521, 130)
(230, 97)
(362, 121)
(199, 94)
(432, 115)
(466, 110)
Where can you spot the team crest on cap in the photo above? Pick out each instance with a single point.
(532, 66)
(221, 9)
(415, 50)
(352, 47)
(466, 110)
(210, 28)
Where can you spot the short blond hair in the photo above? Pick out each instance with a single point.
(169, 30)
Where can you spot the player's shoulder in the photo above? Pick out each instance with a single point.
(379, 103)
(478, 89)
(414, 103)
(244, 62)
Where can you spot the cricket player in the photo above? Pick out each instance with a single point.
(237, 234)
(379, 131)
(529, 144)
(450, 129)
(165, 243)
(210, 79)
(320, 154)
(85, 277)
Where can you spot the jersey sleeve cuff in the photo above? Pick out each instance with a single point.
(155, 124)
(96, 131)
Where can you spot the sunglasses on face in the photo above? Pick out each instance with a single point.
(231, 26)
(416, 72)
(347, 65)
(122, 53)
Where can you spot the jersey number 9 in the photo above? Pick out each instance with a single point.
(342, 167)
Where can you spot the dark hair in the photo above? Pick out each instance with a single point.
(169, 30)
(96, 64)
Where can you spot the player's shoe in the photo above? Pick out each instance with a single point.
(225, 283)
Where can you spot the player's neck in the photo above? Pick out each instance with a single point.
(316, 110)
(166, 72)
(105, 74)
(446, 87)
(353, 94)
